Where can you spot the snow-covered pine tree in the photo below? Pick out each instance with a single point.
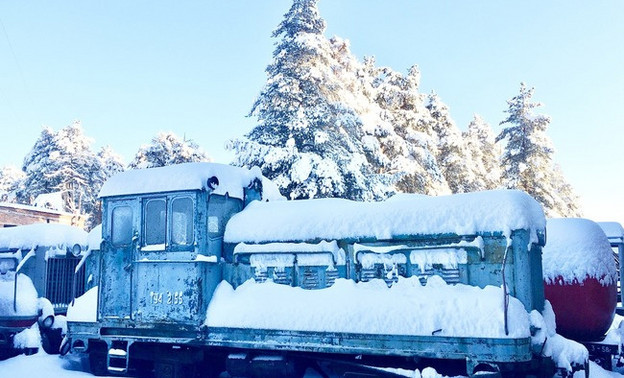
(61, 162)
(527, 158)
(73, 168)
(568, 203)
(10, 180)
(167, 149)
(409, 141)
(39, 167)
(110, 163)
(306, 140)
(451, 153)
(484, 153)
(107, 163)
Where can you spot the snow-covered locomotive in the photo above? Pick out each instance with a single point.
(196, 275)
(37, 283)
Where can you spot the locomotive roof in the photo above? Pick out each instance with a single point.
(178, 177)
(404, 215)
(41, 234)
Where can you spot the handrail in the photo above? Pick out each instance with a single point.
(505, 294)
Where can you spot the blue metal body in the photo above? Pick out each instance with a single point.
(163, 255)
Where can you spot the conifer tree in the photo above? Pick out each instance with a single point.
(484, 154)
(451, 152)
(527, 158)
(106, 164)
(167, 149)
(306, 140)
(39, 166)
(410, 141)
(72, 169)
(10, 180)
(61, 162)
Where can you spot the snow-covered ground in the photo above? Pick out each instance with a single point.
(44, 365)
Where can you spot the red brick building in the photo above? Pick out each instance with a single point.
(13, 214)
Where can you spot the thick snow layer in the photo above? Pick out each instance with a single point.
(45, 307)
(52, 201)
(563, 352)
(42, 234)
(406, 308)
(28, 338)
(613, 230)
(27, 299)
(311, 254)
(187, 176)
(575, 249)
(84, 308)
(332, 219)
(94, 239)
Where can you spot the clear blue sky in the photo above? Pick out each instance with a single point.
(128, 69)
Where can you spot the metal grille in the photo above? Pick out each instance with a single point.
(330, 277)
(450, 276)
(260, 275)
(279, 276)
(368, 274)
(310, 279)
(60, 279)
(283, 277)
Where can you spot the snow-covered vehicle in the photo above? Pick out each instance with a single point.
(580, 281)
(37, 264)
(196, 275)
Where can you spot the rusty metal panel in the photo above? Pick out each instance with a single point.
(442, 347)
(120, 230)
(173, 291)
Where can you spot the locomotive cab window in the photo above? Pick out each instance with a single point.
(168, 223)
(182, 221)
(220, 210)
(121, 225)
(155, 221)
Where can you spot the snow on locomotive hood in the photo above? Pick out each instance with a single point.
(188, 176)
(42, 234)
(576, 249)
(331, 219)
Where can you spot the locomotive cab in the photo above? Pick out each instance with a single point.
(160, 256)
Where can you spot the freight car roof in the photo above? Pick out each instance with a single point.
(331, 219)
(187, 176)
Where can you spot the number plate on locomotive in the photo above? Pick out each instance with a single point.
(596, 348)
(170, 298)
